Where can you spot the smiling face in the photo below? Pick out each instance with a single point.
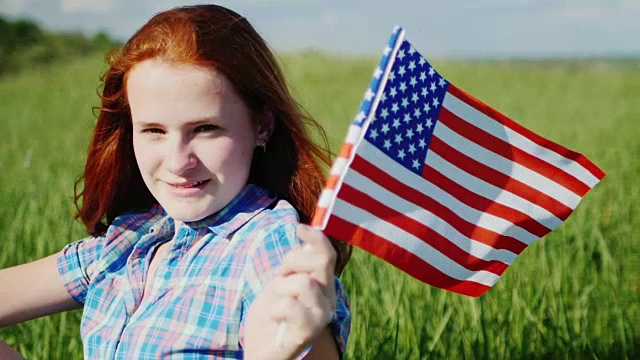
(193, 137)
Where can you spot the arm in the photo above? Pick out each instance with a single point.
(32, 290)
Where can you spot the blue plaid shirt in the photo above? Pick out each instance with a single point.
(213, 271)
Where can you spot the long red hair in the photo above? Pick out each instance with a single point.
(217, 38)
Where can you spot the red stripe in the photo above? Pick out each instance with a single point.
(559, 149)
(400, 258)
(318, 216)
(426, 234)
(485, 205)
(499, 179)
(411, 195)
(506, 150)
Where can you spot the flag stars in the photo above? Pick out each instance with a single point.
(384, 113)
(393, 92)
(385, 128)
(412, 149)
(396, 123)
(369, 95)
(374, 134)
(423, 76)
(398, 139)
(387, 144)
(426, 107)
(425, 91)
(436, 102)
(405, 103)
(417, 113)
(433, 86)
(412, 65)
(413, 81)
(431, 71)
(410, 135)
(378, 73)
(442, 82)
(401, 54)
(392, 76)
(395, 108)
(401, 154)
(401, 71)
(415, 98)
(411, 50)
(383, 97)
(387, 50)
(429, 123)
(407, 118)
(422, 61)
(422, 144)
(420, 128)
(415, 164)
(403, 86)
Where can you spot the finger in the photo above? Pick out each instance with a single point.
(297, 313)
(307, 260)
(303, 288)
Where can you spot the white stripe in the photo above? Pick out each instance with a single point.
(354, 134)
(506, 166)
(486, 123)
(412, 244)
(339, 166)
(428, 219)
(418, 183)
(492, 192)
(325, 198)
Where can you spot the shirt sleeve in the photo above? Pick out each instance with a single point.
(77, 263)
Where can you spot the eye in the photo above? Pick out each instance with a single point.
(206, 128)
(153, 131)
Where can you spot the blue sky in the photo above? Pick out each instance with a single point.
(460, 28)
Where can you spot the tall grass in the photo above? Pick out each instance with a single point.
(573, 294)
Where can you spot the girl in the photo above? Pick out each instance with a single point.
(199, 171)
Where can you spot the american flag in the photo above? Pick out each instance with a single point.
(441, 185)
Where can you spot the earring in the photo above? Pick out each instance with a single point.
(263, 145)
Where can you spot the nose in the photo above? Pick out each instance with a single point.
(179, 157)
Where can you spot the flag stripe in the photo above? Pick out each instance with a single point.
(421, 223)
(558, 153)
(483, 204)
(354, 215)
(511, 152)
(449, 209)
(499, 179)
(489, 191)
(505, 166)
(401, 258)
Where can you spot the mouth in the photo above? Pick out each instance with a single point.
(188, 185)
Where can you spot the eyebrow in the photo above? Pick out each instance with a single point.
(204, 120)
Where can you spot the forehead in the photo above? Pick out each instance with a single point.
(157, 90)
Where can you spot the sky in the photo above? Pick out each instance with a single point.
(454, 28)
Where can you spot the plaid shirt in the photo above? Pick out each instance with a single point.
(202, 289)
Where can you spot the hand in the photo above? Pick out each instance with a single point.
(7, 353)
(301, 298)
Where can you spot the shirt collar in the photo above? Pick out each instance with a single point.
(251, 200)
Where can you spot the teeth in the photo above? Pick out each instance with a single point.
(190, 184)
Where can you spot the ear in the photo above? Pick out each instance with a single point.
(265, 129)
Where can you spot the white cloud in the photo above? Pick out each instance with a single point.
(13, 7)
(86, 6)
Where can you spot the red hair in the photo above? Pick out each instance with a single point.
(216, 38)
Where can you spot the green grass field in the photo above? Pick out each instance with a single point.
(570, 295)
